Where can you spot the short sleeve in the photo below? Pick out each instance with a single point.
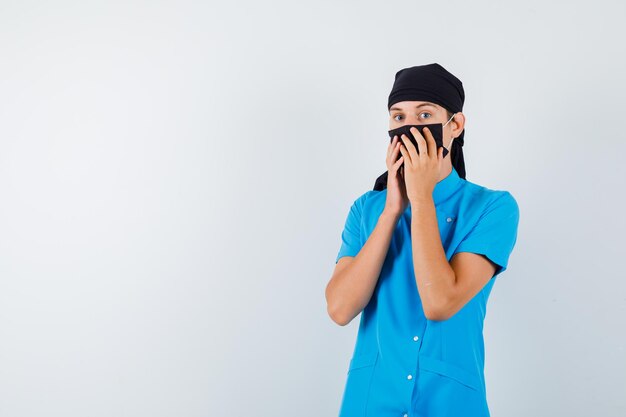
(351, 236)
(495, 233)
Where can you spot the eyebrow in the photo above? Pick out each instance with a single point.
(417, 107)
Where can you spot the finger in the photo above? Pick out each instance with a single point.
(396, 149)
(391, 146)
(421, 142)
(396, 166)
(404, 152)
(430, 140)
(391, 157)
(407, 142)
(408, 149)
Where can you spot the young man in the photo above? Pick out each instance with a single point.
(419, 256)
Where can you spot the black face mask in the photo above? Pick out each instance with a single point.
(435, 128)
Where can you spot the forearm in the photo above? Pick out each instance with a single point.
(349, 291)
(434, 276)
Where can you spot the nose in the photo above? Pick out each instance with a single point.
(412, 120)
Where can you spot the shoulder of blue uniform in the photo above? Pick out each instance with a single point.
(493, 198)
(366, 199)
(361, 198)
(503, 202)
(367, 194)
(372, 193)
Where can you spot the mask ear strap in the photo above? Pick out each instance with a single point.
(451, 140)
(450, 145)
(451, 117)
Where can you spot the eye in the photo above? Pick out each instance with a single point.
(426, 113)
(394, 117)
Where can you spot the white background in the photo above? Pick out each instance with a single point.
(175, 176)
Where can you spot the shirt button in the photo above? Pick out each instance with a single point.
(409, 377)
(406, 415)
(416, 338)
(449, 219)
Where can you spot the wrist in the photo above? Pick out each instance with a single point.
(420, 199)
(390, 215)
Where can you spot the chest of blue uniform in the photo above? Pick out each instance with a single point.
(402, 362)
(446, 223)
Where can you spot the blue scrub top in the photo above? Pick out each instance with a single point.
(404, 364)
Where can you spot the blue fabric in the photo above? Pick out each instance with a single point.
(402, 363)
